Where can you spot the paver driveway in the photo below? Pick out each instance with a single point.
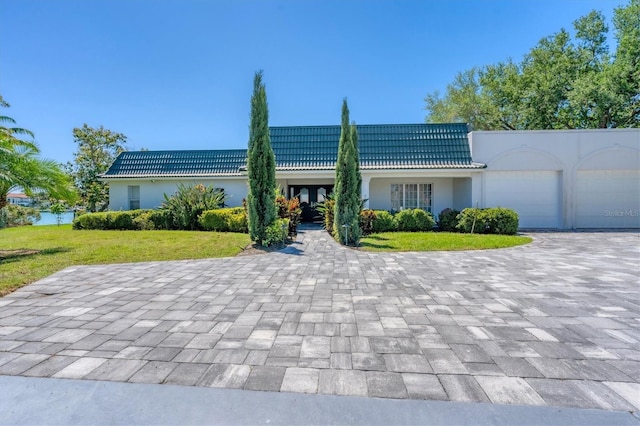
(555, 322)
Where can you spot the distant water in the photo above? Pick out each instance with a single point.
(47, 218)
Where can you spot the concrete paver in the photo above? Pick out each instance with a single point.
(552, 323)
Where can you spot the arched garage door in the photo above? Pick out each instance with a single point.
(607, 199)
(535, 195)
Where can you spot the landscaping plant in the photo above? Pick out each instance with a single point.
(494, 220)
(348, 186)
(261, 167)
(414, 220)
(447, 220)
(188, 203)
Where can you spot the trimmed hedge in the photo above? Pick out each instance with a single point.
(233, 219)
(414, 220)
(448, 220)
(121, 220)
(494, 220)
(383, 222)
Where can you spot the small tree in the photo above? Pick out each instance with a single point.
(97, 148)
(261, 166)
(348, 186)
(57, 209)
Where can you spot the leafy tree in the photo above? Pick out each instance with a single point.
(561, 83)
(97, 149)
(22, 167)
(348, 186)
(261, 166)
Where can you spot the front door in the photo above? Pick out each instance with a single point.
(310, 196)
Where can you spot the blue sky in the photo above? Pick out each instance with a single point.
(178, 74)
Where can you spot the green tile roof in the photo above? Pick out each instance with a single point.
(395, 146)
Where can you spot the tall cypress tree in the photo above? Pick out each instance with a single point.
(348, 186)
(261, 166)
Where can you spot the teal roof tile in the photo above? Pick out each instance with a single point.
(394, 146)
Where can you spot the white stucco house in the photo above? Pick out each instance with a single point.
(553, 179)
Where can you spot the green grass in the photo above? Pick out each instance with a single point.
(29, 253)
(432, 241)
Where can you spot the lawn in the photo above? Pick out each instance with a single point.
(432, 241)
(29, 253)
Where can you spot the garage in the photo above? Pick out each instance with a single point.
(535, 195)
(607, 199)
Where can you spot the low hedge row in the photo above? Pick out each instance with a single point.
(495, 220)
(122, 220)
(410, 220)
(232, 219)
(221, 220)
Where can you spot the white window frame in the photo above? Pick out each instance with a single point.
(422, 188)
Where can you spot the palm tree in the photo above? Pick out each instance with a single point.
(21, 166)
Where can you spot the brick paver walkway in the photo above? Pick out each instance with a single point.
(555, 322)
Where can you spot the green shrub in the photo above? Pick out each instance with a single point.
(501, 221)
(224, 220)
(90, 221)
(274, 234)
(188, 203)
(414, 220)
(424, 220)
(367, 218)
(122, 220)
(143, 221)
(447, 220)
(383, 222)
(289, 209)
(14, 215)
(325, 209)
(161, 219)
(495, 220)
(471, 220)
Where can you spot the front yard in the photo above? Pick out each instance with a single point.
(432, 241)
(29, 253)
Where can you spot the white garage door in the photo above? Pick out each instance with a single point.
(608, 199)
(534, 195)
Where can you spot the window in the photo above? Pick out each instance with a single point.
(322, 193)
(304, 195)
(134, 197)
(411, 196)
(397, 196)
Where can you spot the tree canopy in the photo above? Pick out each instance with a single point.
(561, 83)
(21, 165)
(97, 149)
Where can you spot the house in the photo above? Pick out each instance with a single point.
(19, 199)
(553, 179)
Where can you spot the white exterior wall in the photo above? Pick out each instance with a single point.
(596, 172)
(152, 190)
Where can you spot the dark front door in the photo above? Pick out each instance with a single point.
(310, 196)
